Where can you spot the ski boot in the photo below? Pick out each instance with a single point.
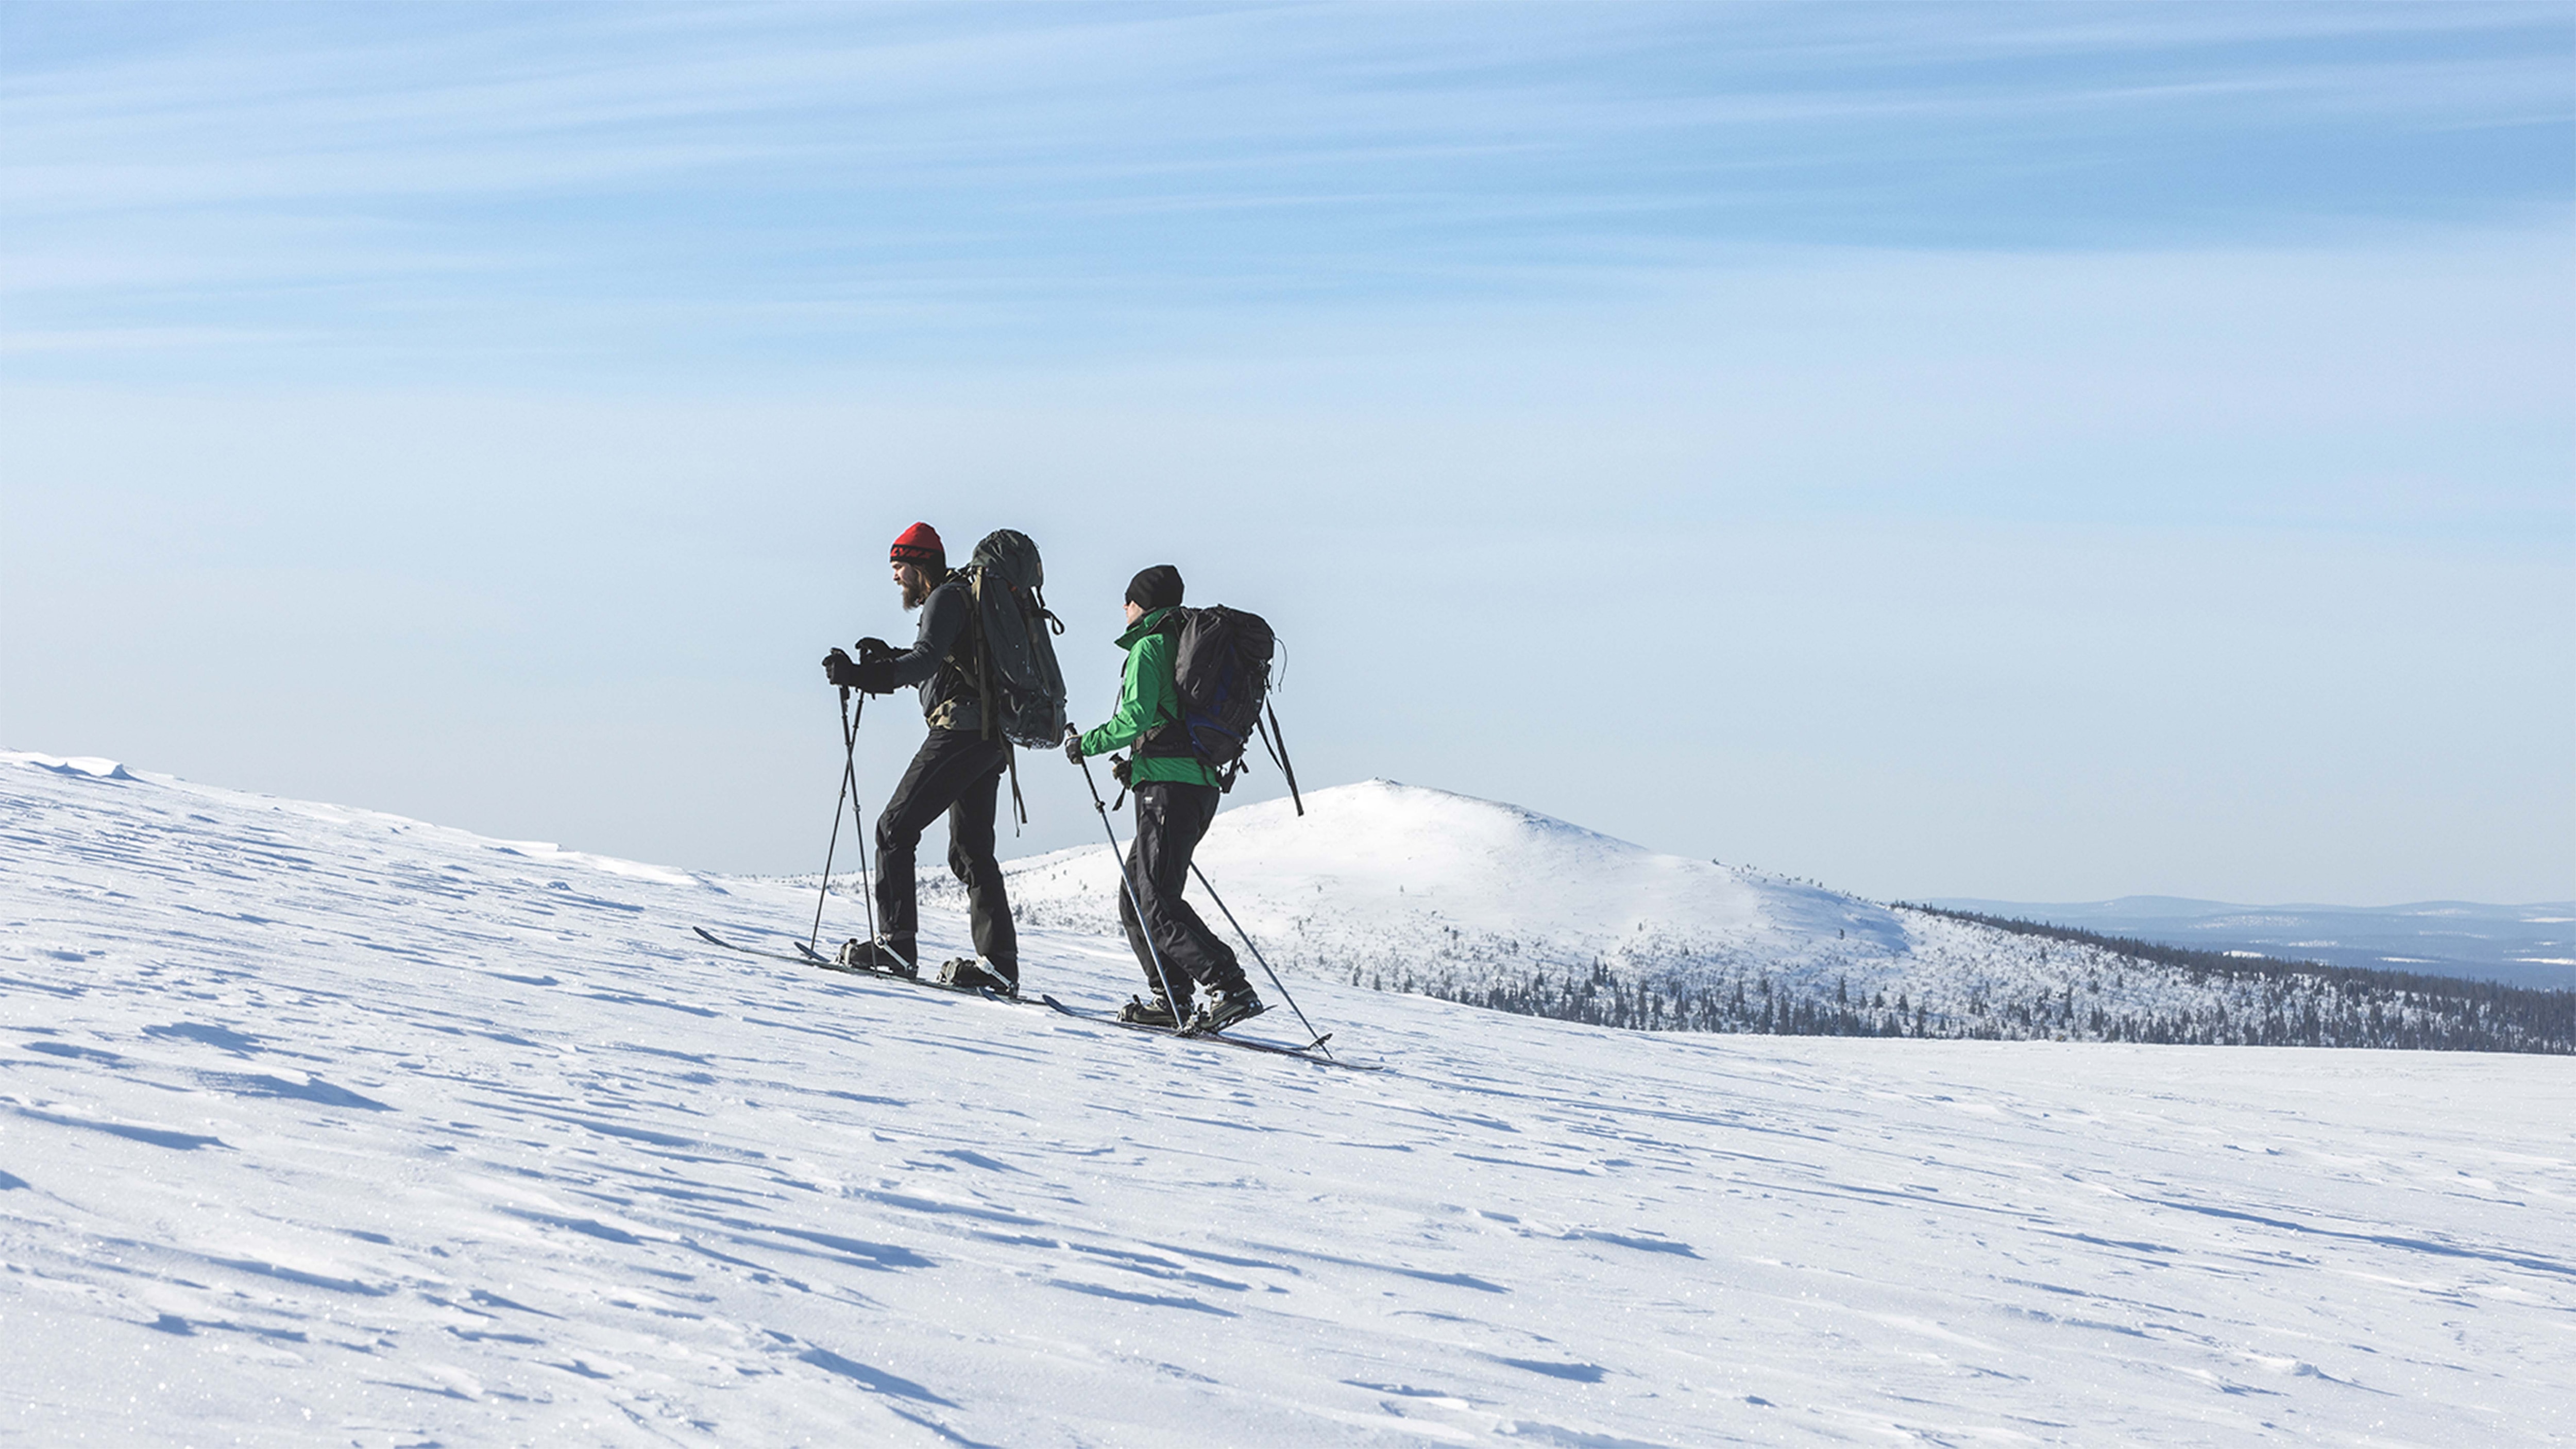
(1224, 1007)
(1156, 1012)
(965, 973)
(875, 956)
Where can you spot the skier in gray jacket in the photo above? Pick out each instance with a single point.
(956, 771)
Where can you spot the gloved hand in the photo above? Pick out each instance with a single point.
(838, 668)
(871, 650)
(874, 676)
(1073, 744)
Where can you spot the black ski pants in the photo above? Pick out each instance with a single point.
(1170, 819)
(959, 772)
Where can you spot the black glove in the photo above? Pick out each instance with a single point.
(1122, 770)
(1073, 744)
(838, 668)
(872, 650)
(874, 676)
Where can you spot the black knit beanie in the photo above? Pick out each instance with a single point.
(1158, 587)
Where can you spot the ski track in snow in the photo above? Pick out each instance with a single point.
(324, 1126)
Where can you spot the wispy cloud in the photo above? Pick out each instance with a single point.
(1081, 168)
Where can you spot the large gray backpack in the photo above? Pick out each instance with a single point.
(1016, 673)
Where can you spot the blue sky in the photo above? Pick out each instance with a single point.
(786, 188)
(2017, 451)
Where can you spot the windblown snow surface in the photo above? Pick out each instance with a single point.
(319, 1126)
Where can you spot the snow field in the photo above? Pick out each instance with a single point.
(321, 1126)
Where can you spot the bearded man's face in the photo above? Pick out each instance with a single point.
(916, 583)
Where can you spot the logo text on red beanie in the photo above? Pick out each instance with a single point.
(919, 544)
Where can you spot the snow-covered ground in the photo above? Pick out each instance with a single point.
(321, 1126)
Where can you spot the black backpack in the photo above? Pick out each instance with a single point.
(1015, 668)
(1221, 666)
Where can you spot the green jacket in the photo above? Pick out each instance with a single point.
(1147, 697)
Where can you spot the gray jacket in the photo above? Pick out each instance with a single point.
(942, 659)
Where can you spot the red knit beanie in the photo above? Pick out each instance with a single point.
(920, 545)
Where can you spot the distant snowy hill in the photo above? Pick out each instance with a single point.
(1388, 879)
(1406, 888)
(2528, 945)
(322, 1126)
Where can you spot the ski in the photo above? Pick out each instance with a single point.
(714, 939)
(817, 958)
(808, 956)
(1306, 1053)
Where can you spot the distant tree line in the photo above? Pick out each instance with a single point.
(2453, 1013)
(2228, 1001)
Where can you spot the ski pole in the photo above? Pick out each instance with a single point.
(859, 822)
(849, 774)
(1135, 897)
(1256, 955)
(858, 817)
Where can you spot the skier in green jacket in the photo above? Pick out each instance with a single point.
(1176, 797)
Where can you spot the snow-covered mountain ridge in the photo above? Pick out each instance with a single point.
(1381, 877)
(1413, 889)
(320, 1126)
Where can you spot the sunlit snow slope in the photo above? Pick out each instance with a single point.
(324, 1127)
(1383, 878)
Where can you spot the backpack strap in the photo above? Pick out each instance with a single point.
(986, 706)
(1019, 805)
(1169, 738)
(1279, 754)
(983, 665)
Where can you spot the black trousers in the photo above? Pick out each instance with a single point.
(1170, 819)
(956, 771)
